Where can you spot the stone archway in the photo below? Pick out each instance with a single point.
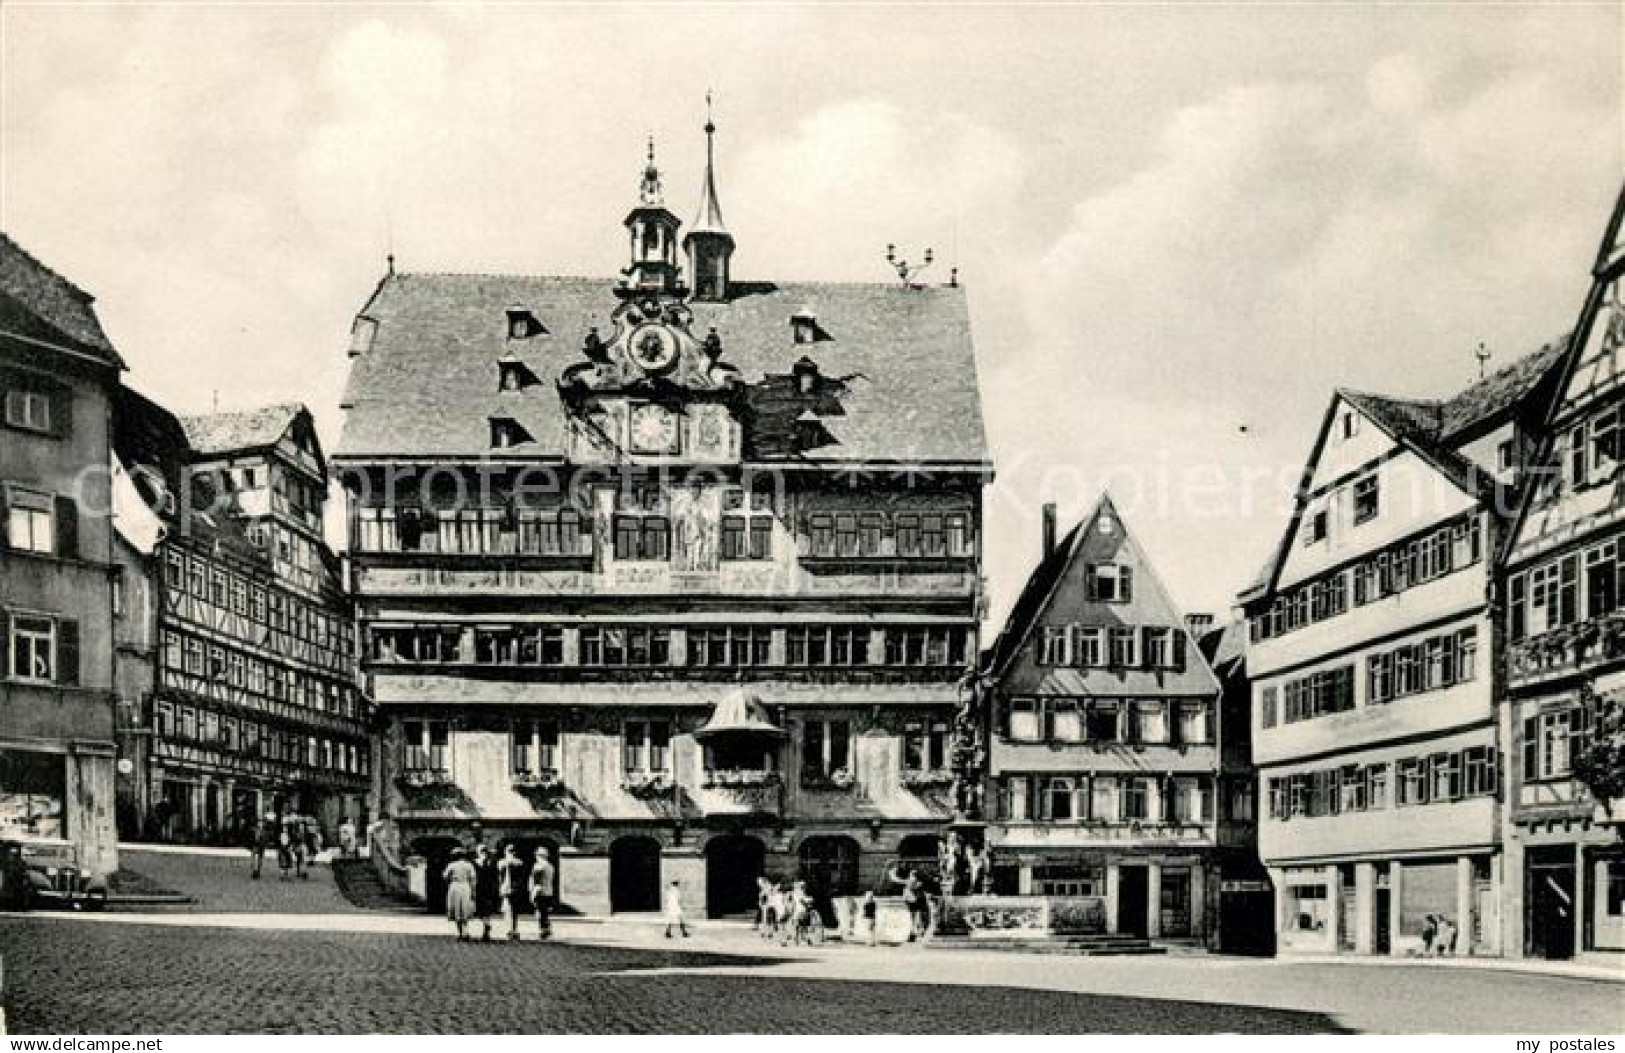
(733, 863)
(634, 874)
(829, 864)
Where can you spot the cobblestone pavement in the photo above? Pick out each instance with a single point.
(289, 957)
(220, 882)
(78, 976)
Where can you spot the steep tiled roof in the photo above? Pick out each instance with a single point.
(53, 301)
(211, 433)
(1030, 603)
(1439, 430)
(1055, 590)
(426, 384)
(1500, 391)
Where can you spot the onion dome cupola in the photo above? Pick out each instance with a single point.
(653, 230)
(709, 245)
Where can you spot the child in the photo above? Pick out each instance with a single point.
(868, 910)
(674, 910)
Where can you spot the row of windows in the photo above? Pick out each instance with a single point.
(189, 724)
(1108, 720)
(1112, 647)
(535, 748)
(265, 606)
(491, 531)
(1316, 695)
(224, 667)
(1394, 570)
(1585, 584)
(642, 527)
(1436, 778)
(719, 646)
(1428, 665)
(911, 534)
(1107, 798)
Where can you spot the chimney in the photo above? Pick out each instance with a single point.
(1049, 530)
(1199, 624)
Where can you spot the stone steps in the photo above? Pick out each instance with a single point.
(359, 884)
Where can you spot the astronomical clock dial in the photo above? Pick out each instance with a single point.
(653, 348)
(654, 429)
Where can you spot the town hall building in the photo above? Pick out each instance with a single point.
(673, 575)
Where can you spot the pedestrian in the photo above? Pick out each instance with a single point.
(919, 908)
(543, 887)
(674, 910)
(259, 839)
(284, 846)
(868, 910)
(511, 887)
(1430, 934)
(487, 889)
(347, 838)
(764, 892)
(459, 876)
(1447, 936)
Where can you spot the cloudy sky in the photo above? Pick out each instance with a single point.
(1180, 226)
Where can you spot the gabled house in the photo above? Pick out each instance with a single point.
(1370, 638)
(58, 372)
(1564, 602)
(252, 703)
(1103, 758)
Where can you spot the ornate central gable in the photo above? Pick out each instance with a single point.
(653, 390)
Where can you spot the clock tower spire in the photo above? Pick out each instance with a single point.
(708, 244)
(653, 229)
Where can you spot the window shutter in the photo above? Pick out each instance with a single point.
(5, 525)
(1531, 748)
(5, 643)
(67, 652)
(1125, 578)
(62, 412)
(1180, 638)
(67, 526)
(1089, 587)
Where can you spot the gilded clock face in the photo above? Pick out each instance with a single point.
(654, 429)
(653, 348)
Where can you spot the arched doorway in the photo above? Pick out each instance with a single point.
(829, 865)
(634, 874)
(733, 863)
(436, 853)
(921, 853)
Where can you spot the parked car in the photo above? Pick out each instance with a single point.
(45, 872)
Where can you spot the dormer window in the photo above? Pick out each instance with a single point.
(514, 375)
(507, 432)
(806, 376)
(805, 329)
(523, 323)
(362, 331)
